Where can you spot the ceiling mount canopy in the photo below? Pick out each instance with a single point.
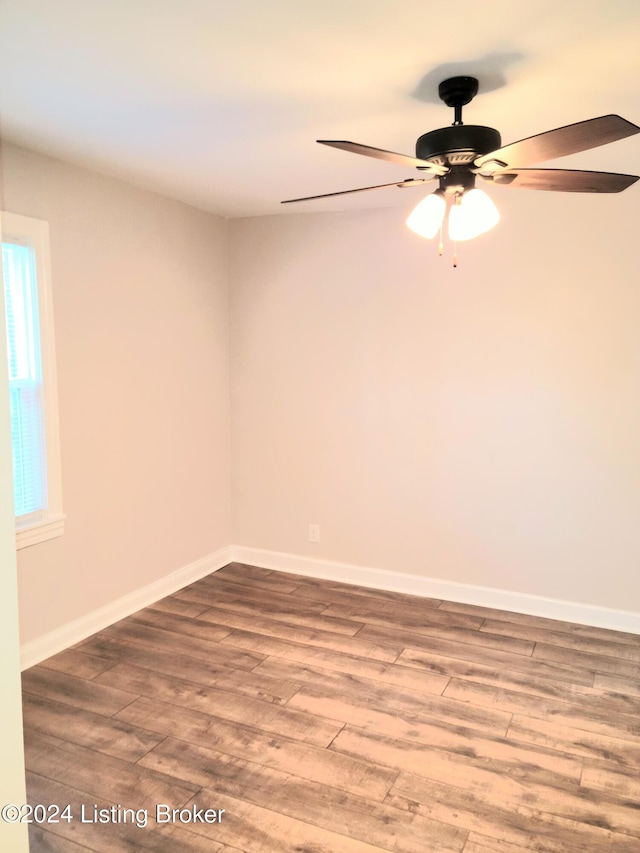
(456, 92)
(460, 154)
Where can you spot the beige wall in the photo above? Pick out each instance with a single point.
(141, 314)
(477, 425)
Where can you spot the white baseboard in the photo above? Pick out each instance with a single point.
(515, 602)
(55, 641)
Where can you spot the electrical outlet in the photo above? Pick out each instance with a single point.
(314, 533)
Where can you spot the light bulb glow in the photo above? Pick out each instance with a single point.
(472, 215)
(426, 218)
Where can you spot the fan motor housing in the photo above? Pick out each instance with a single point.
(458, 144)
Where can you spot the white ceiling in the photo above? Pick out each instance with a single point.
(218, 103)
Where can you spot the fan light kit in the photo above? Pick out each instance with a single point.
(457, 155)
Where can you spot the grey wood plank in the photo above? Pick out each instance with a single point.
(272, 581)
(613, 843)
(496, 822)
(187, 626)
(221, 623)
(564, 639)
(103, 734)
(41, 841)
(347, 672)
(400, 718)
(243, 570)
(549, 734)
(99, 775)
(164, 661)
(245, 742)
(213, 587)
(339, 592)
(593, 808)
(294, 758)
(607, 634)
(235, 571)
(264, 645)
(520, 681)
(321, 806)
(477, 843)
(110, 837)
(599, 663)
(606, 841)
(411, 639)
(624, 783)
(219, 703)
(77, 663)
(193, 647)
(410, 617)
(463, 745)
(276, 624)
(258, 829)
(172, 604)
(177, 721)
(70, 690)
(247, 627)
(577, 715)
(257, 745)
(617, 684)
(501, 661)
(310, 617)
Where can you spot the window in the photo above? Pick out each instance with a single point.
(32, 379)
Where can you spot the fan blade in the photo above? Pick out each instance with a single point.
(560, 142)
(564, 180)
(410, 182)
(381, 154)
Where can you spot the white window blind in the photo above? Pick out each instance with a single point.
(32, 379)
(25, 381)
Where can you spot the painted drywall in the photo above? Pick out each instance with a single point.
(474, 425)
(477, 425)
(140, 292)
(13, 837)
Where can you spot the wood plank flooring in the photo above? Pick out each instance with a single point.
(324, 718)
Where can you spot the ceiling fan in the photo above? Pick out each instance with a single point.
(460, 154)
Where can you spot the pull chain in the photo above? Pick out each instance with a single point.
(455, 255)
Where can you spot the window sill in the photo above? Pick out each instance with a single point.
(40, 532)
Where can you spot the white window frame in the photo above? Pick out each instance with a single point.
(34, 233)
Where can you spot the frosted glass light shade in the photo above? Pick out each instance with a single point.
(474, 215)
(426, 218)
